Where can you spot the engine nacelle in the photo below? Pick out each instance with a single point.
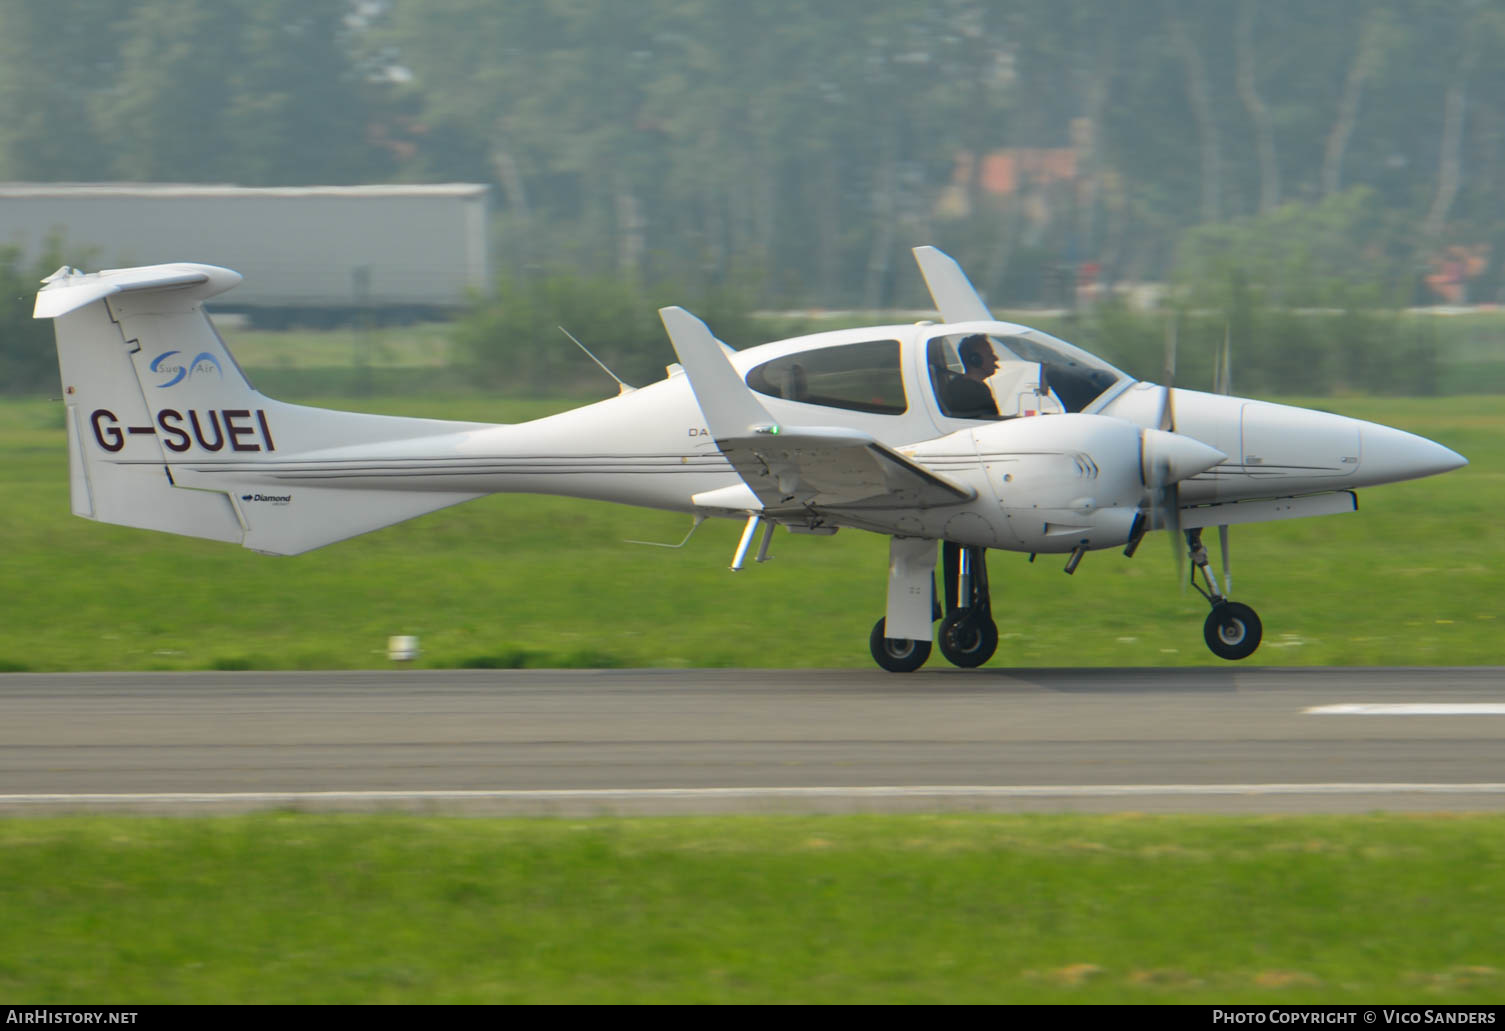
(1057, 483)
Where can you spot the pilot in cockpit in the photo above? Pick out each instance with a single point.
(968, 395)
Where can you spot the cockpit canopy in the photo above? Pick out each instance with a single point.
(982, 371)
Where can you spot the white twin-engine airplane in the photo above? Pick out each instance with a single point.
(972, 432)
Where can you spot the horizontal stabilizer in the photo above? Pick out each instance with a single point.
(68, 289)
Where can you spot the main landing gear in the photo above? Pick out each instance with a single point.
(1232, 630)
(897, 654)
(967, 635)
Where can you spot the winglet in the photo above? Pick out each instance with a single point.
(729, 408)
(953, 293)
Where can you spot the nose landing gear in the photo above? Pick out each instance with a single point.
(1232, 630)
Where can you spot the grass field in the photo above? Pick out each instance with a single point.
(1414, 577)
(297, 908)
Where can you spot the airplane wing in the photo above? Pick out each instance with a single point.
(953, 293)
(816, 467)
(795, 468)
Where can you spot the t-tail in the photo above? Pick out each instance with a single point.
(165, 432)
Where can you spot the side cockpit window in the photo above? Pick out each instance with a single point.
(959, 371)
(862, 377)
(984, 376)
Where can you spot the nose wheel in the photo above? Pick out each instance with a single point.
(1232, 630)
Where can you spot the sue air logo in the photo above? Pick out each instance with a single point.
(177, 371)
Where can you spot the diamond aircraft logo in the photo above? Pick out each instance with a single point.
(202, 364)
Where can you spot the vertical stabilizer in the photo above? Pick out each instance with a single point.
(117, 470)
(166, 433)
(955, 297)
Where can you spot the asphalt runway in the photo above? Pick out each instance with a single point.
(570, 742)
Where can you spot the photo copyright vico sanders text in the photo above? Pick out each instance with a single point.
(1377, 1015)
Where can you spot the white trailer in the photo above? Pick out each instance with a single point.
(305, 251)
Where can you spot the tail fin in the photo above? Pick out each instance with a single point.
(955, 297)
(166, 433)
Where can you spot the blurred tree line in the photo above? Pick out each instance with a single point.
(28, 362)
(1337, 155)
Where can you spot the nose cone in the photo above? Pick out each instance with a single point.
(1391, 455)
(1169, 457)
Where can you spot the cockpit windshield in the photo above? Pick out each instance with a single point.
(1007, 375)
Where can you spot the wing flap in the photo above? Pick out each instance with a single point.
(792, 470)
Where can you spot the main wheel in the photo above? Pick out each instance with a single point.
(968, 638)
(897, 654)
(1232, 630)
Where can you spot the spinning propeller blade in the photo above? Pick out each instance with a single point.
(1222, 383)
(1222, 370)
(1167, 497)
(1165, 459)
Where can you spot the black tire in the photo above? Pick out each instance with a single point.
(1232, 631)
(897, 655)
(968, 638)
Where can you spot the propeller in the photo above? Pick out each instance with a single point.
(1165, 495)
(1222, 383)
(1166, 457)
(1168, 377)
(1222, 371)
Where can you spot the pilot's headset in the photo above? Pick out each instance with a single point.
(972, 350)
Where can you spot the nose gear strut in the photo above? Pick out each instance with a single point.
(1232, 630)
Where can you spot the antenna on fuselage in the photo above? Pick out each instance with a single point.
(659, 544)
(623, 388)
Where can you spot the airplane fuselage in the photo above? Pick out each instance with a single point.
(1037, 487)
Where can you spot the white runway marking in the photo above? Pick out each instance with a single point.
(1410, 709)
(607, 795)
